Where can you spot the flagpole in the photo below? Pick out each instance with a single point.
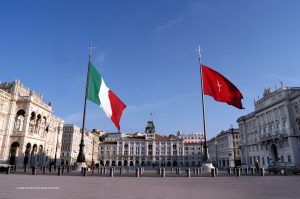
(81, 156)
(205, 158)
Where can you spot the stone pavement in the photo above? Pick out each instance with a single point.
(226, 187)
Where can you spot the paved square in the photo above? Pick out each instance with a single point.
(40, 186)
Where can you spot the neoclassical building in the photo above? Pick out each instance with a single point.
(224, 149)
(29, 133)
(70, 145)
(191, 138)
(148, 149)
(271, 133)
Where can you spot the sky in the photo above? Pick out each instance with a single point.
(146, 53)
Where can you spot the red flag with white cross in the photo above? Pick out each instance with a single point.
(220, 88)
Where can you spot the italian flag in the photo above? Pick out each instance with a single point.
(100, 94)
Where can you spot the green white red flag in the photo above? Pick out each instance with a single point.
(100, 94)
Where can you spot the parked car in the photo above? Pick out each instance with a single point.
(279, 167)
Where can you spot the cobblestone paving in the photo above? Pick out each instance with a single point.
(97, 186)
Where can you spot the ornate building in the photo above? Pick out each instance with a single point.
(70, 144)
(29, 133)
(224, 149)
(271, 133)
(147, 149)
(191, 138)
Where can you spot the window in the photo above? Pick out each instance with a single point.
(296, 108)
(289, 158)
(263, 160)
(174, 146)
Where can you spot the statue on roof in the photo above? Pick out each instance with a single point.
(267, 92)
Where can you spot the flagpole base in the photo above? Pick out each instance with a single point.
(79, 166)
(206, 167)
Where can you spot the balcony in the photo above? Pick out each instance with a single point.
(272, 136)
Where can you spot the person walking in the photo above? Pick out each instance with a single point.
(257, 166)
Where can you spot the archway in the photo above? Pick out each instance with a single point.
(32, 122)
(174, 163)
(14, 147)
(33, 156)
(101, 163)
(274, 153)
(27, 154)
(38, 123)
(131, 163)
(40, 158)
(193, 163)
(113, 163)
(125, 163)
(168, 164)
(187, 164)
(107, 163)
(119, 163)
(19, 120)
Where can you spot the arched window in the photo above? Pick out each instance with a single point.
(19, 120)
(174, 146)
(32, 122)
(38, 123)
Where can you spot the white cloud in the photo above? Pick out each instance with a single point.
(168, 25)
(174, 100)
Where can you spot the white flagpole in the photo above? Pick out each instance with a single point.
(205, 158)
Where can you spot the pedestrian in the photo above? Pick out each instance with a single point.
(257, 166)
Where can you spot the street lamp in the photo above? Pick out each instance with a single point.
(55, 157)
(93, 155)
(217, 161)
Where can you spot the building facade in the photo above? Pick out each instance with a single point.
(191, 138)
(29, 133)
(193, 153)
(271, 132)
(224, 149)
(70, 145)
(147, 149)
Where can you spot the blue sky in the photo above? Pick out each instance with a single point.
(145, 51)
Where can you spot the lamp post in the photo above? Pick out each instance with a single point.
(234, 148)
(93, 155)
(55, 157)
(217, 161)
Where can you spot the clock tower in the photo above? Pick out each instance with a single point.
(150, 131)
